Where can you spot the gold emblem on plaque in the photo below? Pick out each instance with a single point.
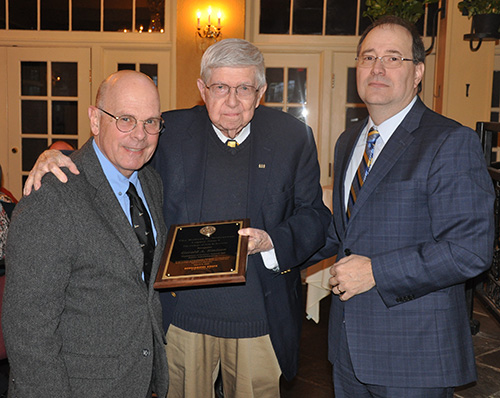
(207, 230)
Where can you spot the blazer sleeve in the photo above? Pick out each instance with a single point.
(460, 201)
(37, 273)
(304, 232)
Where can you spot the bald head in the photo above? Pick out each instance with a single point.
(121, 80)
(134, 95)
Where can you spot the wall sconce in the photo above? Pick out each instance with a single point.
(209, 31)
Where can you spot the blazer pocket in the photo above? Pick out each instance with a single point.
(81, 366)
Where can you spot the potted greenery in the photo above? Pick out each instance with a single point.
(485, 15)
(410, 10)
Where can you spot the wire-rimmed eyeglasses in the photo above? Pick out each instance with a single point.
(388, 61)
(126, 123)
(242, 91)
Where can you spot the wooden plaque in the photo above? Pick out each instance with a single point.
(204, 254)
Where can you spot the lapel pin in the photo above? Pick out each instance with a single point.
(262, 166)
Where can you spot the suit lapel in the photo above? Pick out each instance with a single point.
(107, 205)
(399, 142)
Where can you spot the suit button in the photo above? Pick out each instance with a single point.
(146, 352)
(347, 252)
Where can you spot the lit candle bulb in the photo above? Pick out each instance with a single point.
(209, 12)
(198, 15)
(218, 19)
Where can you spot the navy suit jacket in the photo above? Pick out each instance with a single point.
(425, 218)
(285, 199)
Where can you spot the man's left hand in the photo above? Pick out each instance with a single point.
(258, 240)
(351, 275)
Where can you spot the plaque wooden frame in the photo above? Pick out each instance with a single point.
(207, 253)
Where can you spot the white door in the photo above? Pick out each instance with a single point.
(48, 93)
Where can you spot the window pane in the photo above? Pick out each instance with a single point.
(117, 15)
(64, 117)
(54, 14)
(495, 95)
(86, 15)
(364, 22)
(22, 14)
(340, 17)
(352, 91)
(149, 14)
(298, 111)
(151, 70)
(126, 67)
(494, 117)
(274, 78)
(65, 79)
(275, 16)
(297, 85)
(431, 12)
(2, 14)
(307, 17)
(34, 78)
(354, 115)
(33, 117)
(32, 148)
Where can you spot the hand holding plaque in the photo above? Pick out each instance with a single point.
(204, 254)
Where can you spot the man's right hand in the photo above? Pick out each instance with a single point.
(49, 161)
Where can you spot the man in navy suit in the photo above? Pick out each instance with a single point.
(270, 174)
(420, 225)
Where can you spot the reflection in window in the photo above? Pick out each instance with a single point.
(65, 117)
(151, 70)
(274, 78)
(297, 85)
(65, 79)
(34, 78)
(299, 112)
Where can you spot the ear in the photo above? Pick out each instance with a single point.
(202, 88)
(260, 94)
(94, 117)
(419, 73)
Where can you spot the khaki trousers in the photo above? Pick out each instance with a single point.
(249, 366)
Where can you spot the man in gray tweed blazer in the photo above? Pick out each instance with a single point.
(79, 318)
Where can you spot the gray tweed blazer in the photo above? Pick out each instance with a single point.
(78, 319)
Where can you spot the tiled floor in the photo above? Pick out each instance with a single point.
(314, 377)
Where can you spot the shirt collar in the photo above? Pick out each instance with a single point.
(119, 183)
(242, 135)
(387, 128)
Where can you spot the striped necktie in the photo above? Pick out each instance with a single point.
(363, 169)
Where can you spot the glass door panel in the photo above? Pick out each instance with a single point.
(48, 97)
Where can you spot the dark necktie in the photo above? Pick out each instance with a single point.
(363, 169)
(232, 143)
(142, 228)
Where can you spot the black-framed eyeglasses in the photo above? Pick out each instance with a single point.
(222, 90)
(126, 123)
(389, 61)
